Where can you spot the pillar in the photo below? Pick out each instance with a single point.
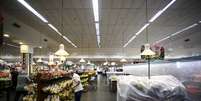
(27, 52)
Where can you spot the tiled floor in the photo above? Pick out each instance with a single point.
(102, 93)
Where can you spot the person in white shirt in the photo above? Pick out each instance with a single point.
(78, 88)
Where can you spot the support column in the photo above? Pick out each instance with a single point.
(27, 52)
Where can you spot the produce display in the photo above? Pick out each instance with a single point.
(47, 75)
(31, 88)
(30, 98)
(56, 88)
(4, 74)
(84, 80)
(53, 85)
(5, 80)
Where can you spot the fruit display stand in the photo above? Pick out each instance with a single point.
(52, 87)
(5, 81)
(84, 80)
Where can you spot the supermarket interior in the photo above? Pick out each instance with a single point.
(100, 50)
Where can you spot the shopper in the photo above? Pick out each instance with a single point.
(22, 81)
(14, 75)
(78, 88)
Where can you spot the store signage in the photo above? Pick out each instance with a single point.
(26, 49)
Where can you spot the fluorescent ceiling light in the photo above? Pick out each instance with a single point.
(133, 37)
(145, 26)
(98, 39)
(97, 29)
(151, 20)
(176, 33)
(130, 40)
(96, 19)
(161, 11)
(182, 30)
(6, 35)
(97, 26)
(25, 4)
(54, 28)
(95, 10)
(69, 41)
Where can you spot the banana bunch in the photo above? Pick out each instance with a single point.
(56, 88)
(30, 98)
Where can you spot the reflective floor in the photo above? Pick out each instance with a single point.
(102, 93)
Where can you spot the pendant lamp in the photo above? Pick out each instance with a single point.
(82, 60)
(123, 60)
(113, 63)
(105, 63)
(39, 60)
(88, 62)
(147, 51)
(61, 51)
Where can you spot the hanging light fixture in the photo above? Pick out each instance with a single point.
(61, 51)
(123, 60)
(105, 63)
(82, 60)
(40, 49)
(39, 60)
(113, 63)
(62, 58)
(147, 51)
(88, 62)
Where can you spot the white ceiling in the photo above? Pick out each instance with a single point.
(117, 18)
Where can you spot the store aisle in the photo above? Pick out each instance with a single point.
(102, 93)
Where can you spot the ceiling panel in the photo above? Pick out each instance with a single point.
(117, 17)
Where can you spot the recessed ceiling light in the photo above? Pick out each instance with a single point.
(40, 47)
(6, 35)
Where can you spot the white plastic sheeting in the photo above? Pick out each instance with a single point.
(158, 88)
